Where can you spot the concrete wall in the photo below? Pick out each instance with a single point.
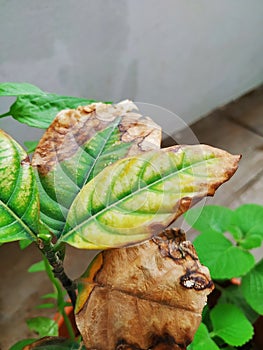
(187, 56)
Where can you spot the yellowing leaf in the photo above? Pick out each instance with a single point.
(138, 196)
(79, 144)
(19, 204)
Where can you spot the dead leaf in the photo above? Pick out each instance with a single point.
(148, 296)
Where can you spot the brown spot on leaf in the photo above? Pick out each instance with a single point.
(25, 161)
(72, 128)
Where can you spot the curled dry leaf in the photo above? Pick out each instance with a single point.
(149, 296)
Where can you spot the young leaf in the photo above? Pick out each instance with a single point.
(86, 141)
(44, 326)
(137, 197)
(17, 89)
(39, 110)
(45, 306)
(223, 259)
(19, 202)
(249, 219)
(31, 146)
(233, 295)
(252, 287)
(24, 243)
(37, 267)
(230, 324)
(20, 345)
(211, 218)
(202, 340)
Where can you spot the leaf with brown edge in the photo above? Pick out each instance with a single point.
(79, 144)
(137, 197)
(148, 296)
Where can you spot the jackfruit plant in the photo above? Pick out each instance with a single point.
(98, 179)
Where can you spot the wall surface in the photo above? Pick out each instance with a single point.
(187, 56)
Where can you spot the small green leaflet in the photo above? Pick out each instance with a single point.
(39, 110)
(230, 324)
(211, 218)
(35, 107)
(252, 287)
(44, 326)
(202, 340)
(37, 267)
(19, 202)
(137, 197)
(17, 89)
(233, 295)
(223, 259)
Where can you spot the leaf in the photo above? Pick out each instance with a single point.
(86, 141)
(248, 219)
(233, 295)
(45, 306)
(31, 146)
(39, 110)
(223, 259)
(44, 326)
(54, 343)
(19, 202)
(202, 340)
(24, 243)
(230, 324)
(150, 294)
(50, 296)
(37, 267)
(252, 287)
(20, 345)
(137, 197)
(17, 89)
(211, 218)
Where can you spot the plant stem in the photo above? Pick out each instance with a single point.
(47, 248)
(60, 298)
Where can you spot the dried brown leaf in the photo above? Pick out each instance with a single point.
(149, 296)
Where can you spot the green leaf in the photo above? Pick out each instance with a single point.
(44, 326)
(19, 202)
(211, 218)
(39, 110)
(37, 267)
(20, 345)
(17, 89)
(252, 241)
(249, 219)
(31, 146)
(230, 324)
(202, 340)
(111, 132)
(56, 343)
(45, 306)
(233, 295)
(24, 243)
(136, 197)
(223, 259)
(50, 296)
(252, 287)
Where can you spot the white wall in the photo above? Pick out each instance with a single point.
(189, 56)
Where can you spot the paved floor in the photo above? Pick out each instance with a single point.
(237, 127)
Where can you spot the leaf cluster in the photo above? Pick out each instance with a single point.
(224, 245)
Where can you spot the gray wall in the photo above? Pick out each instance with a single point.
(187, 56)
